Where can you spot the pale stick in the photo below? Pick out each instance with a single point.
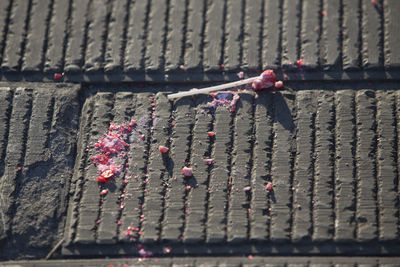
(212, 88)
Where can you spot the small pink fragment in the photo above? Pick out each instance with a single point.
(250, 257)
(188, 172)
(240, 75)
(167, 250)
(142, 137)
(209, 161)
(182, 67)
(19, 168)
(163, 149)
(299, 62)
(323, 13)
(104, 192)
(173, 123)
(57, 76)
(247, 188)
(278, 84)
(257, 84)
(374, 2)
(119, 223)
(269, 186)
(188, 187)
(222, 66)
(210, 134)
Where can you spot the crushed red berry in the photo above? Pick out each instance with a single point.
(269, 186)
(211, 134)
(187, 172)
(163, 149)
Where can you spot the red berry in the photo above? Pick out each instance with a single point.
(269, 186)
(268, 76)
(188, 172)
(163, 149)
(104, 192)
(278, 84)
(300, 61)
(57, 76)
(101, 179)
(210, 134)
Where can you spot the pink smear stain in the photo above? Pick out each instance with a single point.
(163, 149)
(187, 172)
(269, 187)
(112, 145)
(209, 161)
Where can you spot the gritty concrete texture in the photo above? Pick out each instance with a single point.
(236, 261)
(331, 156)
(141, 40)
(39, 126)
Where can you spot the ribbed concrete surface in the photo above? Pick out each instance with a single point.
(221, 261)
(131, 38)
(38, 128)
(332, 156)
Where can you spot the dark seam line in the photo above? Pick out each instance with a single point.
(241, 35)
(84, 45)
(278, 59)
(83, 164)
(382, 34)
(251, 165)
(320, 41)
(210, 153)
(313, 171)
(333, 158)
(149, 140)
(7, 132)
(102, 198)
(21, 161)
(229, 150)
(271, 118)
(46, 34)
(340, 37)
(146, 28)
(165, 37)
(273, 121)
(25, 35)
(187, 192)
(125, 35)
(109, 9)
(376, 149)
(5, 31)
(360, 35)
(203, 30)
(50, 115)
(168, 164)
(354, 108)
(396, 156)
(121, 198)
(293, 159)
(185, 32)
(223, 37)
(260, 36)
(299, 27)
(66, 36)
